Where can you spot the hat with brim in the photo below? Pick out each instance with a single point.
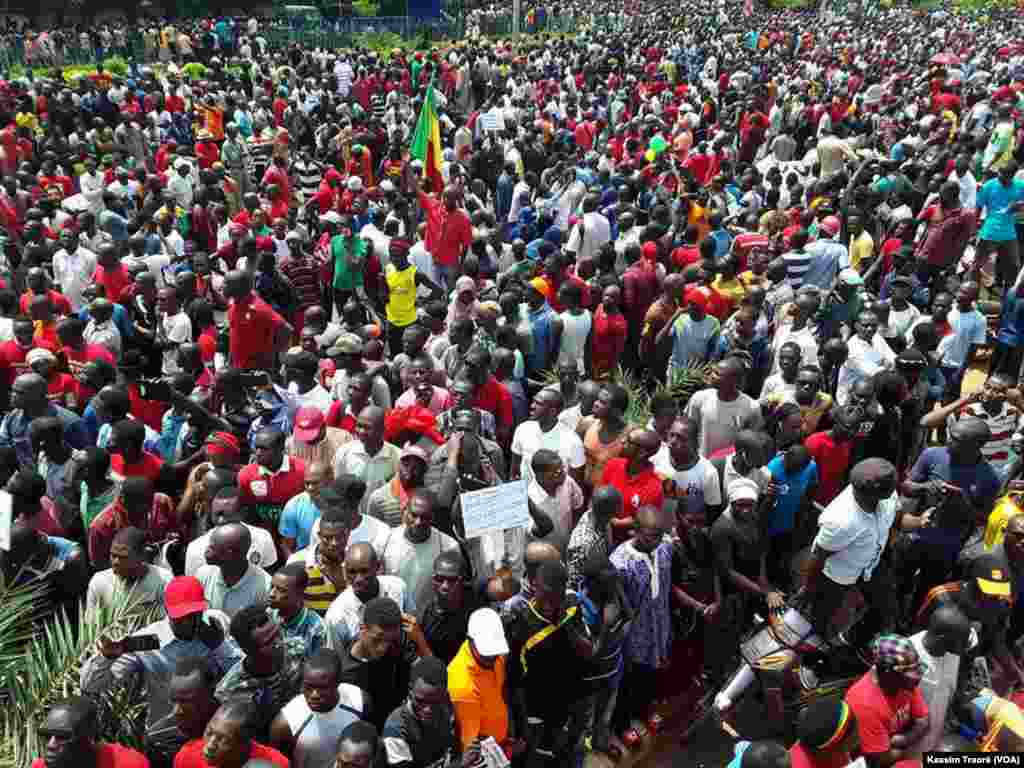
(183, 596)
(992, 575)
(487, 633)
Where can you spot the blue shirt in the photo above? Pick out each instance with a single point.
(297, 519)
(120, 319)
(723, 241)
(14, 432)
(792, 491)
(1011, 322)
(1000, 221)
(307, 626)
(150, 444)
(980, 483)
(171, 425)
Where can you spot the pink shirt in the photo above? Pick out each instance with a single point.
(440, 401)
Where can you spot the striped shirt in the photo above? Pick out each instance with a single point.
(303, 271)
(1002, 425)
(260, 150)
(307, 176)
(797, 264)
(320, 590)
(385, 505)
(378, 106)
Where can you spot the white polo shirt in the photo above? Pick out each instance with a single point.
(855, 538)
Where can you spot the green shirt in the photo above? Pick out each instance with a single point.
(348, 268)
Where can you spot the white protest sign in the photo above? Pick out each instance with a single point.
(495, 509)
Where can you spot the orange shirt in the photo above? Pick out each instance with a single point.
(478, 696)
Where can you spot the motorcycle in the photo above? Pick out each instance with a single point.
(784, 654)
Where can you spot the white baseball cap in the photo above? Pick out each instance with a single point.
(487, 633)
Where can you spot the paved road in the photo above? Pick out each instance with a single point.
(710, 747)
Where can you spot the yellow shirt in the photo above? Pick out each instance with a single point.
(478, 697)
(995, 529)
(862, 248)
(733, 289)
(401, 307)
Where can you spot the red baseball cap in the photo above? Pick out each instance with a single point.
(184, 596)
(308, 423)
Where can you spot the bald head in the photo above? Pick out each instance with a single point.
(229, 545)
(362, 554)
(538, 552)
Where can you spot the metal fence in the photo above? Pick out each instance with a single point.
(16, 54)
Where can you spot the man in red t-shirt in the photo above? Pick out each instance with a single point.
(633, 475)
(272, 479)
(69, 737)
(38, 285)
(892, 716)
(257, 332)
(490, 395)
(14, 353)
(831, 451)
(226, 743)
(825, 733)
(128, 458)
(112, 274)
(78, 352)
(449, 233)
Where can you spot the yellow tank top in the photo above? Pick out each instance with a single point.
(401, 308)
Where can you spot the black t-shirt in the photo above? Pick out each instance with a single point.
(736, 547)
(411, 743)
(545, 664)
(693, 564)
(386, 680)
(446, 630)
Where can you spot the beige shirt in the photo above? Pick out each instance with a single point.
(324, 451)
(106, 589)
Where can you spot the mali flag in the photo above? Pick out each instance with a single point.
(426, 142)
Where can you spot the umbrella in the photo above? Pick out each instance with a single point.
(946, 58)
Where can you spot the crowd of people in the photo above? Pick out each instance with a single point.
(739, 303)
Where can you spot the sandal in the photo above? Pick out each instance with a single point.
(655, 723)
(631, 738)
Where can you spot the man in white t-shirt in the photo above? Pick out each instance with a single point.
(413, 546)
(309, 726)
(587, 237)
(869, 354)
(689, 478)
(226, 508)
(544, 430)
(940, 647)
(720, 413)
(174, 328)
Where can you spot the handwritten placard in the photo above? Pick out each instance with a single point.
(495, 509)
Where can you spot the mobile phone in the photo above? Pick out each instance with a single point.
(155, 389)
(137, 643)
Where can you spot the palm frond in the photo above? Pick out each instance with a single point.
(638, 413)
(51, 654)
(684, 382)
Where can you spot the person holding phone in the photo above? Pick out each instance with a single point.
(189, 630)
